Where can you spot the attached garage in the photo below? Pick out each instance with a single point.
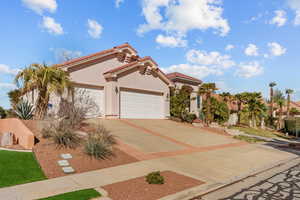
(95, 101)
(138, 105)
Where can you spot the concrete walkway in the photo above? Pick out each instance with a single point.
(213, 167)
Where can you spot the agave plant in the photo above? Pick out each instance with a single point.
(24, 110)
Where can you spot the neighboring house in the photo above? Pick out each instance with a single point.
(123, 85)
(180, 80)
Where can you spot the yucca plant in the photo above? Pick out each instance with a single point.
(24, 110)
(99, 144)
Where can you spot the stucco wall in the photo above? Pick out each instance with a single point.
(21, 132)
(94, 74)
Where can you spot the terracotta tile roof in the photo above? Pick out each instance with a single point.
(130, 64)
(175, 75)
(97, 54)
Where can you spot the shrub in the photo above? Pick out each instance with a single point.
(190, 117)
(24, 110)
(155, 178)
(64, 136)
(47, 132)
(2, 113)
(99, 144)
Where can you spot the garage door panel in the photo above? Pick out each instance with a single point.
(140, 105)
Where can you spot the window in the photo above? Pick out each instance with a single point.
(198, 101)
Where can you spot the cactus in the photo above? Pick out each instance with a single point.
(24, 110)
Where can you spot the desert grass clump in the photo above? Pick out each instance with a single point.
(66, 138)
(99, 144)
(155, 178)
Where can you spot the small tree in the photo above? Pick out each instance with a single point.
(219, 110)
(2, 113)
(14, 97)
(180, 102)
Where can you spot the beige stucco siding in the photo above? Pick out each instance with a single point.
(93, 75)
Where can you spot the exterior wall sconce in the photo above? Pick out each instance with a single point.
(116, 90)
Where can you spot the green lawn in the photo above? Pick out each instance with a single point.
(248, 139)
(77, 195)
(261, 132)
(18, 168)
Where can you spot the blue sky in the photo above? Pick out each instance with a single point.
(241, 45)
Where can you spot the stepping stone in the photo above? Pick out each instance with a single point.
(66, 156)
(63, 163)
(68, 170)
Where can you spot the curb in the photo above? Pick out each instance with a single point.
(199, 191)
(15, 150)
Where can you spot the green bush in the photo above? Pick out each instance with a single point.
(155, 178)
(2, 113)
(190, 117)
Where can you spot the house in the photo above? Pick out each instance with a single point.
(124, 85)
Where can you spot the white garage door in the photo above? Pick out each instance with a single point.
(93, 100)
(141, 106)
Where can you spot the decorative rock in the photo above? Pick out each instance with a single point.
(63, 163)
(66, 156)
(7, 139)
(68, 170)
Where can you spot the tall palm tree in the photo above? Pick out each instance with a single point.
(208, 89)
(288, 92)
(272, 85)
(255, 107)
(45, 80)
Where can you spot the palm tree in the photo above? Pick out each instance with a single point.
(288, 92)
(14, 97)
(208, 89)
(271, 85)
(255, 107)
(45, 80)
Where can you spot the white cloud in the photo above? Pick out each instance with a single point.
(52, 26)
(280, 18)
(62, 54)
(181, 16)
(118, 3)
(170, 41)
(201, 64)
(295, 5)
(95, 29)
(229, 47)
(251, 50)
(4, 69)
(276, 49)
(7, 86)
(213, 58)
(39, 6)
(248, 70)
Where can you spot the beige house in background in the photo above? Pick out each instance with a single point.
(123, 85)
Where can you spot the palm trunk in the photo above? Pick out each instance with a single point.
(41, 105)
(280, 118)
(288, 105)
(208, 120)
(271, 103)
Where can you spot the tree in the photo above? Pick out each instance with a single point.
(2, 113)
(219, 110)
(254, 107)
(272, 85)
(45, 80)
(281, 103)
(14, 97)
(227, 98)
(288, 92)
(180, 102)
(208, 89)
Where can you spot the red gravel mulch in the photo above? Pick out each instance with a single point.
(138, 188)
(48, 154)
